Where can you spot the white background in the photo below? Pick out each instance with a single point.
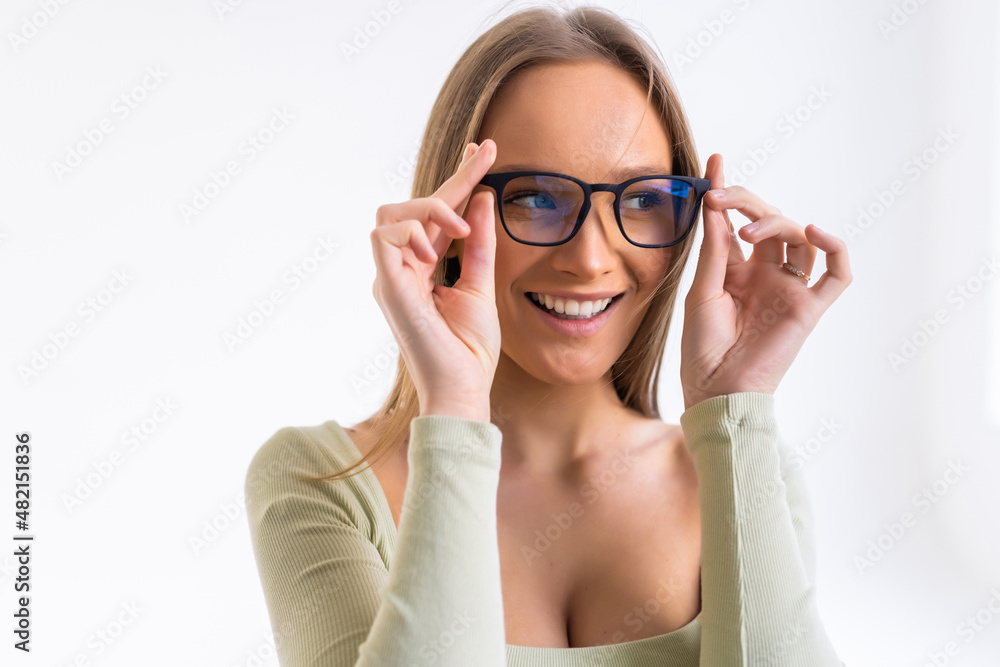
(356, 121)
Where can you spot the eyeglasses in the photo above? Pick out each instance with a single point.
(546, 209)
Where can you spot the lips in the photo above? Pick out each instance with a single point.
(577, 327)
(570, 309)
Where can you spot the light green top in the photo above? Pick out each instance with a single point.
(344, 589)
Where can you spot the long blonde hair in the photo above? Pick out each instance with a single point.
(530, 37)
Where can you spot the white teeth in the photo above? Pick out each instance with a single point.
(571, 307)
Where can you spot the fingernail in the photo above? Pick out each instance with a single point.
(718, 194)
(751, 227)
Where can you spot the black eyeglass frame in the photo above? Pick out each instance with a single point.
(498, 181)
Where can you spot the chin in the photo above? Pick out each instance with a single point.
(565, 364)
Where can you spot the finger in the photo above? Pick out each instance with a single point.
(838, 275)
(441, 224)
(801, 255)
(456, 190)
(471, 148)
(390, 242)
(739, 198)
(752, 207)
(479, 249)
(775, 238)
(718, 185)
(716, 248)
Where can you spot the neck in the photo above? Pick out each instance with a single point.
(554, 429)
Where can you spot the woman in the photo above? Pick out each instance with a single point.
(606, 536)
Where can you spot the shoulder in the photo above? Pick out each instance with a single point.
(291, 510)
(296, 451)
(661, 446)
(284, 469)
(668, 437)
(678, 455)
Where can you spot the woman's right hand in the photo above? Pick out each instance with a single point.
(449, 337)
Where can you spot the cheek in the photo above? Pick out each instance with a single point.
(511, 265)
(651, 268)
(503, 272)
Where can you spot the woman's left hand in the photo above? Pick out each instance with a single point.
(746, 319)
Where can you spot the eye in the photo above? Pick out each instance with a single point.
(643, 200)
(531, 200)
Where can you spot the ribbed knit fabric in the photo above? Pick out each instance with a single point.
(344, 589)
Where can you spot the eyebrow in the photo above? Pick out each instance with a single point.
(617, 174)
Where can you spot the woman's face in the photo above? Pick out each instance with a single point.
(591, 121)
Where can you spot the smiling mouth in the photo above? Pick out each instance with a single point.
(561, 305)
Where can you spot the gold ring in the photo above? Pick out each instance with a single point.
(796, 271)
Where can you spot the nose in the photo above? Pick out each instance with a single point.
(592, 251)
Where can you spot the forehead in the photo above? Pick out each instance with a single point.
(582, 118)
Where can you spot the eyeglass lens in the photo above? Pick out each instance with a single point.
(544, 209)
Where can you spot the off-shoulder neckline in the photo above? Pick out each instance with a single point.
(673, 640)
